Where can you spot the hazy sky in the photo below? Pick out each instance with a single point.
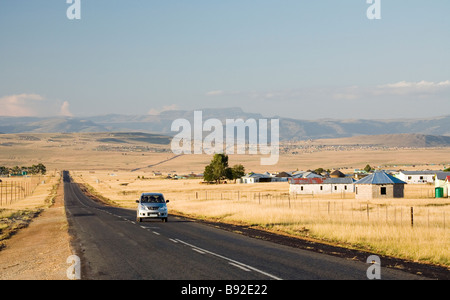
(293, 58)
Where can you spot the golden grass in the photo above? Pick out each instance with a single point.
(19, 211)
(382, 226)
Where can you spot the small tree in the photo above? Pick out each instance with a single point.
(217, 169)
(368, 168)
(237, 172)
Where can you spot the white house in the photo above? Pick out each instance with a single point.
(314, 186)
(416, 177)
(255, 177)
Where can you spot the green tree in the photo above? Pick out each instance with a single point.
(237, 172)
(368, 168)
(4, 170)
(319, 170)
(208, 174)
(16, 171)
(219, 170)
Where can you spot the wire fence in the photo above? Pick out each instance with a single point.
(341, 206)
(12, 191)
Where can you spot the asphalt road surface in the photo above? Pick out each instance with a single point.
(112, 245)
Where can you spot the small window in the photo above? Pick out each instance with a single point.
(335, 188)
(356, 190)
(409, 177)
(301, 188)
(321, 188)
(345, 187)
(383, 190)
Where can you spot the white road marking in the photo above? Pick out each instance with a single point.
(240, 267)
(231, 260)
(199, 251)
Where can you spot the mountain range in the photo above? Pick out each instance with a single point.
(290, 129)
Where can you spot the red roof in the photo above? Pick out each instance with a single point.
(448, 178)
(306, 180)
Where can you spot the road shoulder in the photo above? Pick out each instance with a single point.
(40, 251)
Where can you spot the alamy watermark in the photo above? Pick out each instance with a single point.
(73, 272)
(74, 10)
(374, 271)
(235, 137)
(374, 10)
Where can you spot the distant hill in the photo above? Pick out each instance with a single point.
(290, 129)
(48, 125)
(391, 140)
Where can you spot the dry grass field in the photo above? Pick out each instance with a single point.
(18, 209)
(383, 226)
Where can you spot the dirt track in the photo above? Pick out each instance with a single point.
(40, 251)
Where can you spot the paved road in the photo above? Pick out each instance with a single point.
(112, 245)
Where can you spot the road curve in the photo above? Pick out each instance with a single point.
(112, 245)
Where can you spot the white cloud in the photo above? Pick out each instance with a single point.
(21, 105)
(421, 88)
(215, 93)
(32, 105)
(65, 111)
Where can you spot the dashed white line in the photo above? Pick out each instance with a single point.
(197, 250)
(236, 263)
(240, 267)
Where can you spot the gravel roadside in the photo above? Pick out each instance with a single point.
(39, 251)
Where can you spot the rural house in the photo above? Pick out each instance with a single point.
(255, 178)
(416, 177)
(379, 185)
(315, 186)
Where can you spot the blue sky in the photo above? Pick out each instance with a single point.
(292, 58)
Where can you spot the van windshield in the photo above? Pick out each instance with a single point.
(152, 199)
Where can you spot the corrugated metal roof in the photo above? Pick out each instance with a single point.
(380, 177)
(306, 180)
(347, 180)
(341, 180)
(442, 175)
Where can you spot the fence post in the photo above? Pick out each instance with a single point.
(412, 216)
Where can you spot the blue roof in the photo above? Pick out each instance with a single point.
(380, 177)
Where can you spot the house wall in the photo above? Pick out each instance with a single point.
(308, 189)
(373, 191)
(416, 178)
